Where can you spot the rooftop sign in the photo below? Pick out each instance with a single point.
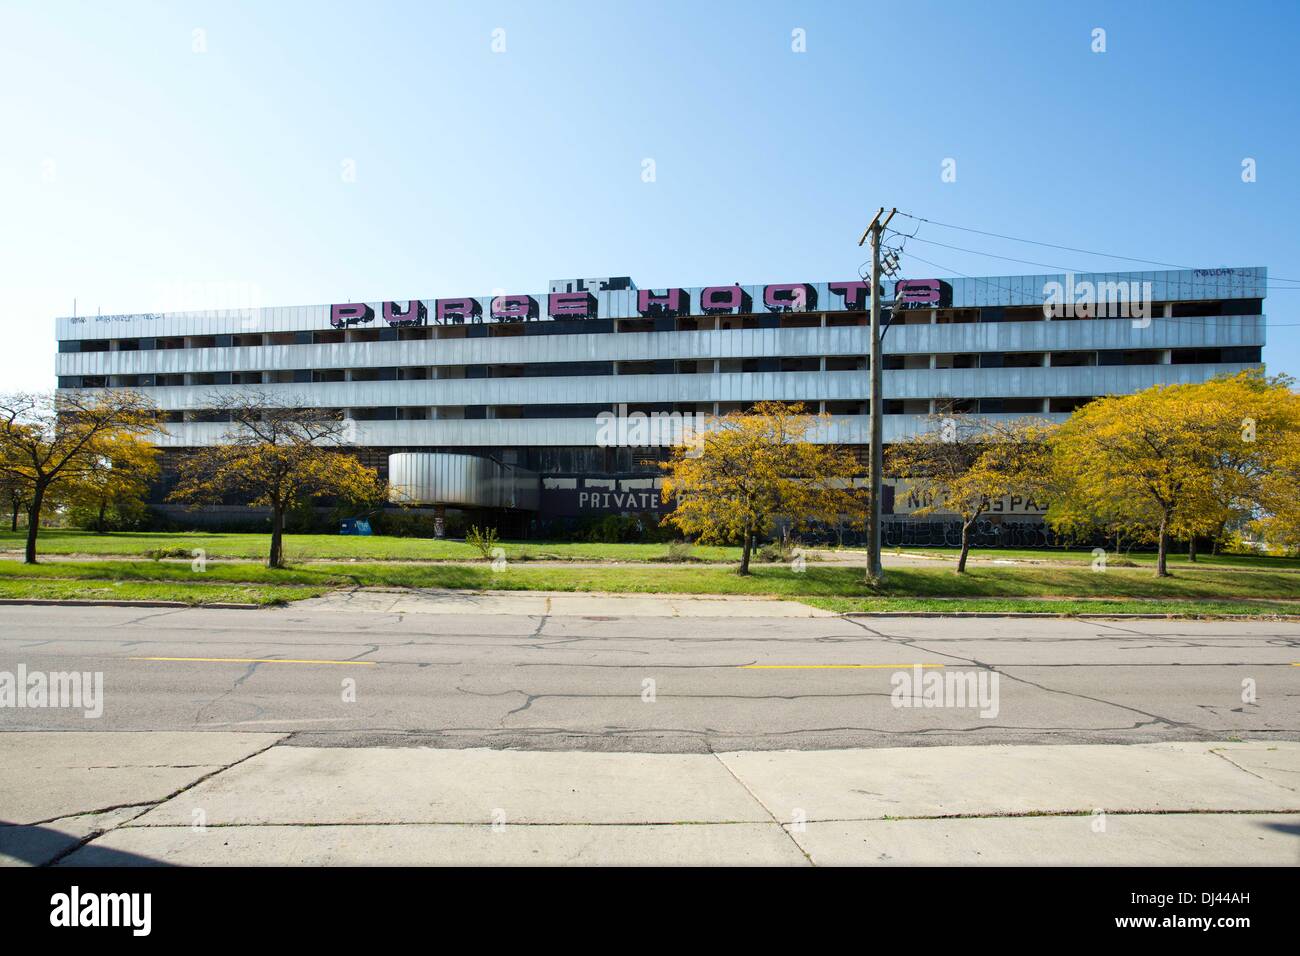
(849, 296)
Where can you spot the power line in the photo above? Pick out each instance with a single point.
(1031, 262)
(1051, 245)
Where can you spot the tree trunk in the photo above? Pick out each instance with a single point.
(744, 554)
(965, 547)
(277, 538)
(33, 524)
(13, 524)
(1191, 548)
(99, 524)
(1162, 555)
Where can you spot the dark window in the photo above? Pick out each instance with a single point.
(1073, 359)
(1066, 405)
(850, 363)
(1129, 357)
(1020, 359)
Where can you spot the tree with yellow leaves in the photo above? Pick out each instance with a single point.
(1266, 455)
(51, 442)
(114, 491)
(963, 464)
(1173, 460)
(741, 472)
(276, 456)
(1279, 521)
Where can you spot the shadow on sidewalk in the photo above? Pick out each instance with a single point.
(41, 846)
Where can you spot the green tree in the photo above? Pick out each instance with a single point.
(13, 494)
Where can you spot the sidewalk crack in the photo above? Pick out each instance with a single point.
(772, 816)
(1219, 753)
(154, 804)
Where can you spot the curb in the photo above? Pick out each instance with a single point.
(74, 602)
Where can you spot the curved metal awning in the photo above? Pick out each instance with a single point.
(467, 481)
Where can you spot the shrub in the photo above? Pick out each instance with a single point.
(780, 551)
(158, 554)
(679, 551)
(408, 524)
(483, 541)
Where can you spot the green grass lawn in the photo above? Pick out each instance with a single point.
(312, 547)
(1084, 556)
(89, 590)
(983, 587)
(1055, 606)
(333, 547)
(1220, 585)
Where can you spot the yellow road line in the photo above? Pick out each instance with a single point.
(248, 660)
(831, 667)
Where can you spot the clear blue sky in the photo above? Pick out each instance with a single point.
(137, 174)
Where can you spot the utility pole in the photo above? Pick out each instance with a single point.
(875, 571)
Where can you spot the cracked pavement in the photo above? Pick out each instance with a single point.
(654, 684)
(323, 735)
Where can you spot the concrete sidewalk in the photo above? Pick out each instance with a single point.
(233, 798)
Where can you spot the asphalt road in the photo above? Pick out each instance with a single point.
(656, 684)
